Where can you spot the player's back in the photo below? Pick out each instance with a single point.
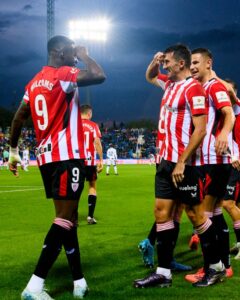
(91, 132)
(53, 98)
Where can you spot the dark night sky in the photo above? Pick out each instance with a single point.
(139, 29)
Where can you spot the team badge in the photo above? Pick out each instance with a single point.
(198, 102)
(75, 186)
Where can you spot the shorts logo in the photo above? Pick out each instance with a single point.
(198, 102)
(75, 186)
(230, 189)
(222, 96)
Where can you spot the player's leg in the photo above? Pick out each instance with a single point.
(164, 207)
(179, 207)
(108, 166)
(206, 232)
(62, 231)
(230, 203)
(115, 167)
(92, 199)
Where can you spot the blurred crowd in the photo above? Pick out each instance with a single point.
(129, 143)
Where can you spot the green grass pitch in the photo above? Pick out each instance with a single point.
(110, 258)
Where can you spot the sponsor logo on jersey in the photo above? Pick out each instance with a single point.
(75, 186)
(222, 96)
(198, 102)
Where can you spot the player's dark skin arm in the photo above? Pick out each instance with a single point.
(19, 118)
(94, 74)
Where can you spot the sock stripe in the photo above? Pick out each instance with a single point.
(66, 224)
(217, 211)
(236, 225)
(164, 226)
(204, 227)
(208, 214)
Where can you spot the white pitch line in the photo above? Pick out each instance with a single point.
(25, 190)
(21, 186)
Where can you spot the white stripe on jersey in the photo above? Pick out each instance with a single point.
(62, 144)
(73, 128)
(68, 86)
(161, 83)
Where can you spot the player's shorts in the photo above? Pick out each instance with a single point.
(233, 186)
(190, 191)
(111, 162)
(64, 180)
(217, 179)
(91, 173)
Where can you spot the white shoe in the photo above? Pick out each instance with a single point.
(91, 221)
(80, 291)
(237, 257)
(27, 295)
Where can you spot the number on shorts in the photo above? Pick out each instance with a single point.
(75, 173)
(41, 111)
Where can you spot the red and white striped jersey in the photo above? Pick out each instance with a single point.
(218, 98)
(182, 100)
(91, 132)
(53, 98)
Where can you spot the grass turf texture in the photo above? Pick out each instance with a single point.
(110, 258)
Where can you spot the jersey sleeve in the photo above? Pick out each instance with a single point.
(68, 78)
(197, 100)
(162, 79)
(220, 96)
(26, 95)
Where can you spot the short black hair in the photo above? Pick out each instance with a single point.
(203, 51)
(233, 83)
(85, 108)
(180, 51)
(57, 42)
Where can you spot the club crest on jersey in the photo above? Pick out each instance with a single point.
(198, 102)
(75, 186)
(222, 96)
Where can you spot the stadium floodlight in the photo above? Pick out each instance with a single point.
(92, 29)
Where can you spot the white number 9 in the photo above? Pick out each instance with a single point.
(75, 173)
(41, 111)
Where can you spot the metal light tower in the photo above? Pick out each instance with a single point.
(50, 18)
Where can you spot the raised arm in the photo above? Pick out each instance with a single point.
(153, 69)
(93, 74)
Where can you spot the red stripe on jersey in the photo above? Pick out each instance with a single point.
(63, 184)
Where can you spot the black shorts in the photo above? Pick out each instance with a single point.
(64, 180)
(190, 191)
(217, 179)
(91, 173)
(233, 186)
